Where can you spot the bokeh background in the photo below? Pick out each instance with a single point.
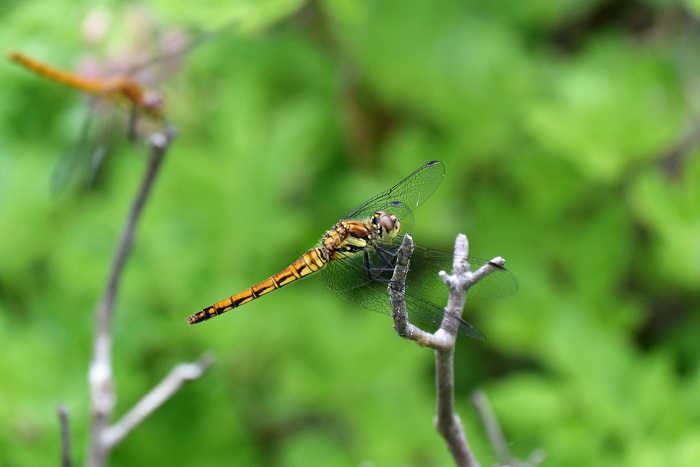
(569, 134)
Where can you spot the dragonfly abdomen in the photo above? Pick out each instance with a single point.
(119, 86)
(308, 263)
(63, 77)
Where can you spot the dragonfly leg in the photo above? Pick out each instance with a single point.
(370, 270)
(133, 116)
(381, 253)
(365, 256)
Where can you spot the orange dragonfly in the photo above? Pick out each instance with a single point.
(122, 87)
(97, 137)
(356, 260)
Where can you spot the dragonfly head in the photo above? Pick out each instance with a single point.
(152, 102)
(386, 225)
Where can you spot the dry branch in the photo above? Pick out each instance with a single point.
(66, 456)
(104, 437)
(443, 341)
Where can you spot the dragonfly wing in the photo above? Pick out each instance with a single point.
(350, 279)
(98, 137)
(173, 46)
(423, 279)
(352, 272)
(405, 196)
(342, 275)
(425, 312)
(73, 160)
(110, 137)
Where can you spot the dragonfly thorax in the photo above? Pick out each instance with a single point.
(349, 237)
(150, 102)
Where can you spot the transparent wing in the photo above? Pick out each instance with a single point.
(362, 279)
(423, 278)
(405, 196)
(99, 134)
(173, 45)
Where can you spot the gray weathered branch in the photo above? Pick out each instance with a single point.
(443, 341)
(178, 376)
(496, 437)
(66, 456)
(103, 397)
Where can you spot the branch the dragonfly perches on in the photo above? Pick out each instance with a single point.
(458, 284)
(443, 341)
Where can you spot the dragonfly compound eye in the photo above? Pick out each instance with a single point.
(390, 224)
(153, 102)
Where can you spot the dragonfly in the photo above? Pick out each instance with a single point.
(146, 111)
(356, 260)
(121, 87)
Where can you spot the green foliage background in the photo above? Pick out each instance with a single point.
(568, 130)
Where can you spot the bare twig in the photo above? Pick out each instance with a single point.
(447, 421)
(397, 297)
(100, 376)
(444, 339)
(66, 457)
(495, 434)
(178, 376)
(493, 428)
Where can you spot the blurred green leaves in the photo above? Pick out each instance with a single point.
(561, 127)
(609, 109)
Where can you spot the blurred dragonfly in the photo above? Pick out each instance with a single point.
(97, 135)
(357, 257)
(103, 128)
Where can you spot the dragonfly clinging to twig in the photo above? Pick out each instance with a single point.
(356, 260)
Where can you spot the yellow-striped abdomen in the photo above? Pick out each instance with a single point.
(308, 263)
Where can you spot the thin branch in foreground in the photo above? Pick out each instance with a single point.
(493, 428)
(66, 457)
(177, 377)
(100, 376)
(443, 341)
(495, 434)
